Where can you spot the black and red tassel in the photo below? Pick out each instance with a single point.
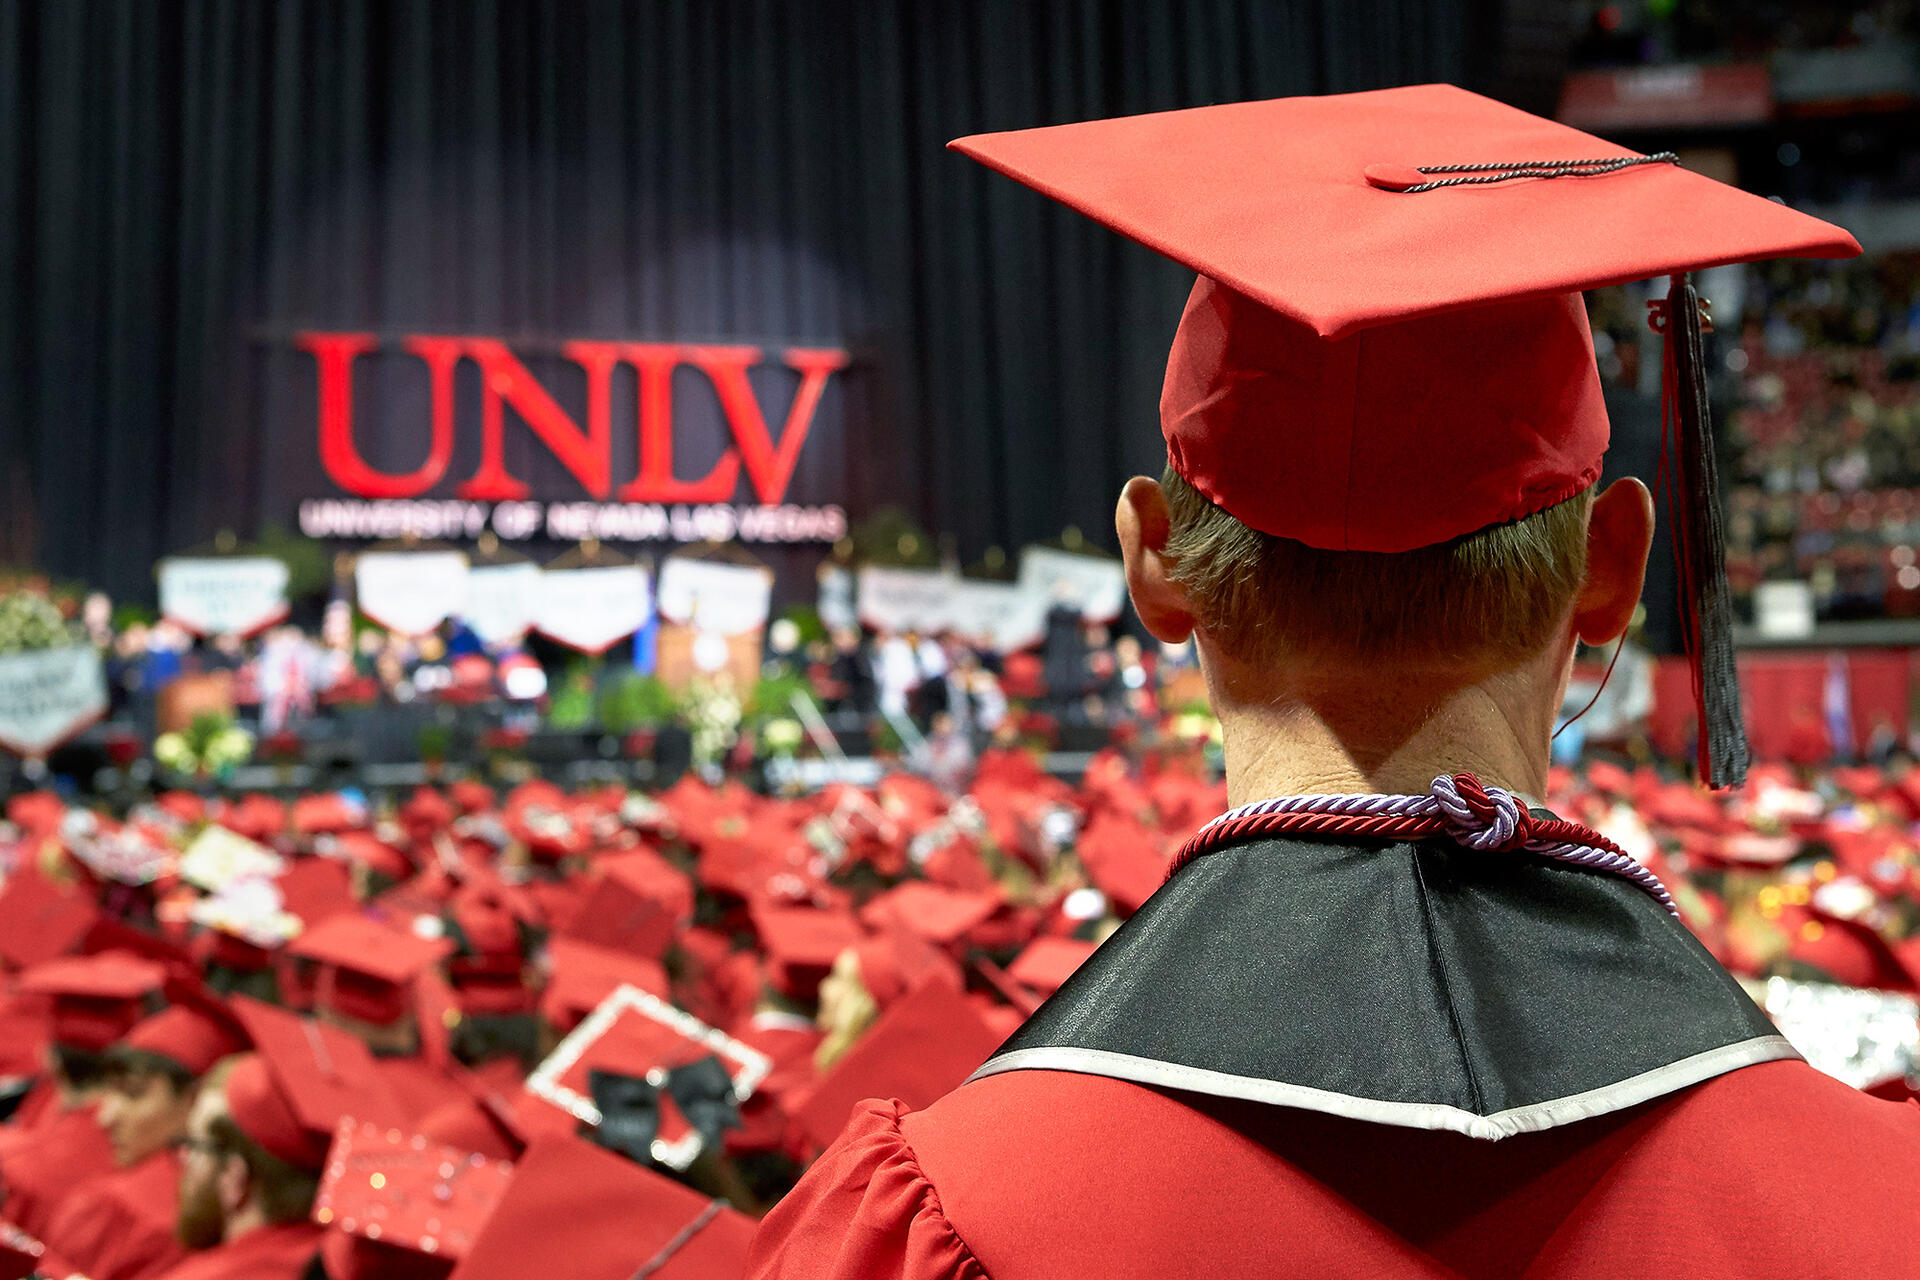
(1692, 491)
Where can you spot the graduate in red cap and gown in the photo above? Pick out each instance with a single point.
(257, 1142)
(383, 983)
(120, 1225)
(1387, 1017)
(92, 1001)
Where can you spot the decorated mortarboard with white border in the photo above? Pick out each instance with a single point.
(639, 1037)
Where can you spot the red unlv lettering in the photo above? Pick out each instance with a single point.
(585, 453)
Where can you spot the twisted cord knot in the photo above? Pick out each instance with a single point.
(1490, 819)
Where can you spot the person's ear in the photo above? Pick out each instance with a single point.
(1619, 534)
(234, 1183)
(1144, 525)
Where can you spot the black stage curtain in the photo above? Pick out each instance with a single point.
(183, 185)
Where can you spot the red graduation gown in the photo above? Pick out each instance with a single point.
(1771, 1170)
(40, 1167)
(120, 1226)
(266, 1253)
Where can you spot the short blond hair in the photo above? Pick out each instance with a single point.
(1495, 594)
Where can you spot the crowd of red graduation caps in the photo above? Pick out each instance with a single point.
(497, 1025)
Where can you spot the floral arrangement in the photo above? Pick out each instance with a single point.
(770, 713)
(713, 714)
(213, 744)
(782, 737)
(29, 620)
(637, 702)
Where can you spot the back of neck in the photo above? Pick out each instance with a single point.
(1389, 734)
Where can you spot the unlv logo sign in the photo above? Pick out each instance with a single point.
(632, 507)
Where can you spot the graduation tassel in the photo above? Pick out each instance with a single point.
(1692, 487)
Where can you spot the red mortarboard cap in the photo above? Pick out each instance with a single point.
(218, 949)
(1849, 952)
(539, 815)
(36, 812)
(1049, 962)
(1001, 1019)
(620, 1221)
(402, 1190)
(255, 815)
(897, 960)
(367, 970)
(1183, 802)
(613, 915)
(935, 912)
(1125, 858)
(646, 872)
(362, 946)
(183, 805)
(315, 889)
(913, 801)
(96, 999)
(422, 895)
(1605, 776)
(637, 906)
(1863, 780)
(557, 901)
(691, 801)
(1377, 358)
(40, 919)
(1275, 409)
(488, 929)
(486, 973)
(327, 814)
(425, 812)
(23, 1042)
(480, 1116)
(373, 853)
(112, 935)
(923, 1046)
(291, 1094)
(194, 1034)
(583, 974)
(1020, 1000)
(470, 796)
(537, 791)
(1680, 804)
(801, 943)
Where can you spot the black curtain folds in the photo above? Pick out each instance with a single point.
(183, 186)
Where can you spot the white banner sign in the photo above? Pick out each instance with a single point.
(501, 599)
(411, 592)
(224, 595)
(1095, 584)
(593, 609)
(48, 695)
(890, 599)
(710, 595)
(1004, 616)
